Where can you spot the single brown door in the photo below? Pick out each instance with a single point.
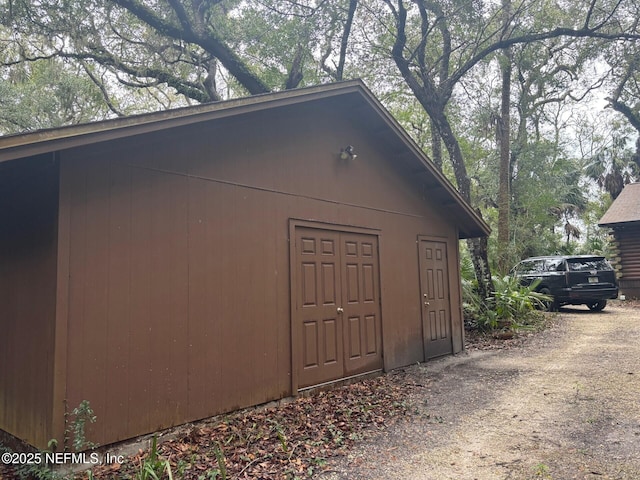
(337, 312)
(436, 308)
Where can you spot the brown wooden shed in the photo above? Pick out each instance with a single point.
(623, 217)
(172, 266)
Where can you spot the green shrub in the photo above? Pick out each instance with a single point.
(511, 305)
(471, 303)
(514, 301)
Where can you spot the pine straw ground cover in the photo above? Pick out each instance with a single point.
(289, 441)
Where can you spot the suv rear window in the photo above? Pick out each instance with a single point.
(588, 264)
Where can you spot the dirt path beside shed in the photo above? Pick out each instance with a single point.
(566, 405)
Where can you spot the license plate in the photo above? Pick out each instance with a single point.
(593, 279)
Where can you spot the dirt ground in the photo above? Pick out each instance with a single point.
(564, 405)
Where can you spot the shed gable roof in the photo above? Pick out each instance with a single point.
(351, 98)
(624, 209)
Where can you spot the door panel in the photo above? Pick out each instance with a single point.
(317, 293)
(337, 312)
(354, 335)
(436, 308)
(363, 333)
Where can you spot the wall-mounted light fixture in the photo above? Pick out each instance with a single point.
(347, 153)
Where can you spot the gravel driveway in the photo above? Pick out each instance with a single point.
(564, 405)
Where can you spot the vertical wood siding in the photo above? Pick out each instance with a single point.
(28, 214)
(179, 274)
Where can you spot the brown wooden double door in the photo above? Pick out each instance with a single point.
(436, 307)
(337, 327)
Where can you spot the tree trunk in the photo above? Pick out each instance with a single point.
(478, 247)
(436, 146)
(479, 255)
(504, 140)
(440, 120)
(434, 101)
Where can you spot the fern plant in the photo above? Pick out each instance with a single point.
(511, 305)
(514, 303)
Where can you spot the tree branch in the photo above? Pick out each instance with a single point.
(625, 110)
(102, 88)
(344, 41)
(537, 37)
(181, 13)
(181, 86)
(208, 40)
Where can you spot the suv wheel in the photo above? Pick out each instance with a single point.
(597, 306)
(551, 305)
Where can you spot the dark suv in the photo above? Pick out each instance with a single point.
(570, 280)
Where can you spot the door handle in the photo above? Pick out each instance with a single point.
(340, 309)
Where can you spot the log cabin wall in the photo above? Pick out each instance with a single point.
(627, 259)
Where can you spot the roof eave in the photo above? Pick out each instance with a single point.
(48, 140)
(620, 224)
(476, 226)
(12, 147)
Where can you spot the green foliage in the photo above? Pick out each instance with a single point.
(80, 415)
(472, 304)
(153, 466)
(47, 93)
(73, 61)
(222, 466)
(542, 471)
(548, 202)
(32, 471)
(467, 271)
(613, 166)
(42, 471)
(514, 303)
(511, 305)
